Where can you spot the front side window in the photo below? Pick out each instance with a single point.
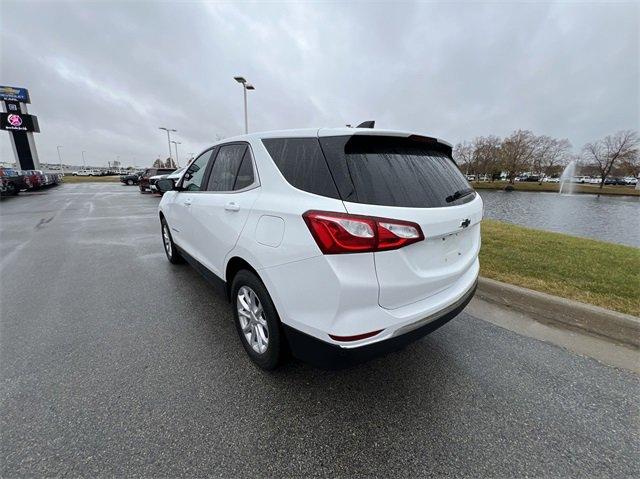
(192, 180)
(225, 168)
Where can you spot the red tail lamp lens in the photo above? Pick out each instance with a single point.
(339, 233)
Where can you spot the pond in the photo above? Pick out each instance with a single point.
(608, 218)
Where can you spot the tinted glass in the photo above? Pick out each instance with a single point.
(192, 180)
(245, 172)
(225, 168)
(392, 171)
(301, 162)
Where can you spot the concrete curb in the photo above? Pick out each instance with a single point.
(553, 310)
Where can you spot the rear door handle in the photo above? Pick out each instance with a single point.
(232, 206)
(187, 202)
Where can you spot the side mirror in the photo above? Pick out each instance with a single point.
(165, 185)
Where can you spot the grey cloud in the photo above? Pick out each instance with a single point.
(104, 76)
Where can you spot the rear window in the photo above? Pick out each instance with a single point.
(391, 171)
(301, 162)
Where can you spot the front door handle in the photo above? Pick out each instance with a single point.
(232, 206)
(187, 202)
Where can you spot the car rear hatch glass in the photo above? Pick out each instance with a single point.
(412, 179)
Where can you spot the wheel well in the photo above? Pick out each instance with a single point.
(234, 265)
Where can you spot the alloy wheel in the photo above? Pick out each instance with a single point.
(252, 320)
(166, 239)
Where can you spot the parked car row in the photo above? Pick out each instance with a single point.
(613, 180)
(99, 172)
(146, 179)
(144, 182)
(14, 181)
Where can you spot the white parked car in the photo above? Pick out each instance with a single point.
(340, 244)
(87, 173)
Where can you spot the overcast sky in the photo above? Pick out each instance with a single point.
(103, 76)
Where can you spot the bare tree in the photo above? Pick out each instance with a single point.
(169, 163)
(463, 154)
(486, 154)
(606, 153)
(631, 165)
(517, 152)
(551, 154)
(158, 163)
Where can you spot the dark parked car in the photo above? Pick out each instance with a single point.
(615, 181)
(131, 179)
(13, 181)
(148, 173)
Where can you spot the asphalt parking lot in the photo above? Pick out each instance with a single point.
(115, 362)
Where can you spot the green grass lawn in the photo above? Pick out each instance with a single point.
(604, 274)
(555, 187)
(90, 179)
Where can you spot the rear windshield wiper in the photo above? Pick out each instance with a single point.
(459, 194)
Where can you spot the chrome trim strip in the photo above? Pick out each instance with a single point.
(421, 322)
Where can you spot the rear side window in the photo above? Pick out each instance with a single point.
(245, 176)
(225, 167)
(301, 162)
(391, 171)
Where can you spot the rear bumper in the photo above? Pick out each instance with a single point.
(332, 356)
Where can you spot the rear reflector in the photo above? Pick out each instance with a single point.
(357, 337)
(339, 233)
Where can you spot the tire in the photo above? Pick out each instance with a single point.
(248, 285)
(169, 246)
(129, 182)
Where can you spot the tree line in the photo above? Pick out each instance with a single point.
(168, 163)
(523, 151)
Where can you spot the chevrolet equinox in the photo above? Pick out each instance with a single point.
(335, 244)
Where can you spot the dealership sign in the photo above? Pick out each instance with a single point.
(20, 126)
(9, 93)
(18, 122)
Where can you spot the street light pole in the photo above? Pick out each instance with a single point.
(168, 130)
(246, 117)
(176, 143)
(84, 163)
(245, 86)
(60, 158)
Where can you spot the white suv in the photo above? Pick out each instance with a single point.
(338, 244)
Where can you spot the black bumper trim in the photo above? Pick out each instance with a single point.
(330, 356)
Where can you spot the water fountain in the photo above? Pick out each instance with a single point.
(566, 178)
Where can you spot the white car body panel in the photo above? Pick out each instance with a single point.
(318, 294)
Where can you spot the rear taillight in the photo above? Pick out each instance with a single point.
(338, 233)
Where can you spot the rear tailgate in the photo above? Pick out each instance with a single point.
(413, 179)
(425, 268)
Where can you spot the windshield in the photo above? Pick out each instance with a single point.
(391, 171)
